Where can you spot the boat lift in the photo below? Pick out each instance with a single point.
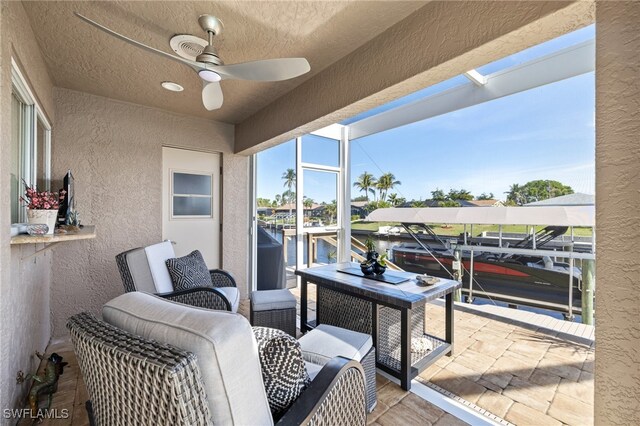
(554, 217)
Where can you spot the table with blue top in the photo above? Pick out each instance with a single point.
(393, 314)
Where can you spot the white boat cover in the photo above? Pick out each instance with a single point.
(528, 215)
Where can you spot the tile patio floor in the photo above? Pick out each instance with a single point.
(525, 376)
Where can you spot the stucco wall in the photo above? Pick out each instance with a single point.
(115, 152)
(617, 364)
(24, 285)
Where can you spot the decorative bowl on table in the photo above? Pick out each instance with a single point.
(378, 269)
(367, 267)
(37, 229)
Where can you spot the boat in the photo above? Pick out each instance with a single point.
(525, 272)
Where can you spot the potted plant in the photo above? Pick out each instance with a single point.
(372, 254)
(42, 206)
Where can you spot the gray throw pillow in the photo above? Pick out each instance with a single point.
(283, 370)
(189, 271)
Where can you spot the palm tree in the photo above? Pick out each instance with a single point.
(331, 210)
(515, 194)
(386, 182)
(365, 183)
(289, 178)
(393, 199)
(307, 202)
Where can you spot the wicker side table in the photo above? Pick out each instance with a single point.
(275, 309)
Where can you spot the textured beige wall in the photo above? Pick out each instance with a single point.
(24, 285)
(115, 152)
(617, 368)
(439, 41)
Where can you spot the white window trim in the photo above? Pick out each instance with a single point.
(36, 114)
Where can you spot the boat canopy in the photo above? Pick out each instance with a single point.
(528, 215)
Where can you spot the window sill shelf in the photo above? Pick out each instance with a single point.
(86, 233)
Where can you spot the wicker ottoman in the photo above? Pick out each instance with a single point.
(325, 342)
(275, 309)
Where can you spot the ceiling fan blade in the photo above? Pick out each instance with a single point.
(212, 95)
(266, 70)
(192, 64)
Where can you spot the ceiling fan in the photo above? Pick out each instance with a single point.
(211, 68)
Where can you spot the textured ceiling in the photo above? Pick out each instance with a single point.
(80, 57)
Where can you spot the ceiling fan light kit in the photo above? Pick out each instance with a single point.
(209, 66)
(209, 75)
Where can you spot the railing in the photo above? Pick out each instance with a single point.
(330, 237)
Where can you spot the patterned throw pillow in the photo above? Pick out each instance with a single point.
(283, 370)
(189, 271)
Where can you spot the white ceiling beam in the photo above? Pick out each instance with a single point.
(333, 131)
(566, 63)
(476, 78)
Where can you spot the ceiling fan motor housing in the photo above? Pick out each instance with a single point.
(210, 55)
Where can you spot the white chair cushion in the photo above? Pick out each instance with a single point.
(233, 296)
(269, 300)
(326, 342)
(157, 254)
(223, 342)
(140, 272)
(312, 369)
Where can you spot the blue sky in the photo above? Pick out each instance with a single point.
(544, 133)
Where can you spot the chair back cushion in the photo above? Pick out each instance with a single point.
(223, 342)
(135, 272)
(157, 255)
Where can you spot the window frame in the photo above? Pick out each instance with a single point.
(173, 194)
(29, 169)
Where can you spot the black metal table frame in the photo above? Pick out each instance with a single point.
(408, 371)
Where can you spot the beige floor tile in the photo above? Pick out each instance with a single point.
(402, 415)
(530, 349)
(425, 409)
(391, 394)
(380, 409)
(560, 367)
(489, 336)
(430, 372)
(495, 403)
(449, 420)
(514, 366)
(582, 391)
(462, 370)
(571, 411)
(475, 361)
(522, 415)
(460, 386)
(493, 349)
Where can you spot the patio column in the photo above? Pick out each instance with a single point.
(617, 364)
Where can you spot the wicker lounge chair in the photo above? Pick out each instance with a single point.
(141, 270)
(139, 380)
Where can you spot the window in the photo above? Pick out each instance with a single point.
(30, 144)
(191, 195)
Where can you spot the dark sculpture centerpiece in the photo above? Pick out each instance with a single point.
(374, 264)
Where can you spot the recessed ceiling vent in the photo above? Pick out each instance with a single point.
(187, 46)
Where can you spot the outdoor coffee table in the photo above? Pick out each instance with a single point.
(392, 314)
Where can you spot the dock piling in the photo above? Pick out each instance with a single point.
(588, 285)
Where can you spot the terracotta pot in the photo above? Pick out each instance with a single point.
(48, 217)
